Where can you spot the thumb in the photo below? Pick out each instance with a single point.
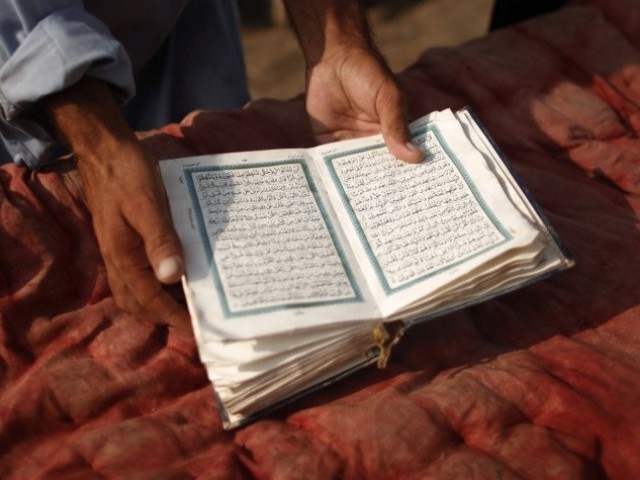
(165, 255)
(161, 244)
(395, 131)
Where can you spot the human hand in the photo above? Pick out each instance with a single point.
(124, 192)
(350, 90)
(132, 225)
(352, 93)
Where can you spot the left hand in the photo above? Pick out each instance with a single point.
(124, 191)
(352, 93)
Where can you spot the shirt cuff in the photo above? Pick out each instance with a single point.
(62, 48)
(59, 51)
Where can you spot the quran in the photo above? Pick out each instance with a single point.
(303, 265)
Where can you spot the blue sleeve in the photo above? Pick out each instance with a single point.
(45, 47)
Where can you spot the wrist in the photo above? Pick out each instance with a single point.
(88, 118)
(328, 28)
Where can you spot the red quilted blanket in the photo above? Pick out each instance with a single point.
(542, 383)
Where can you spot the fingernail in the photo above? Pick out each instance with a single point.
(169, 268)
(413, 147)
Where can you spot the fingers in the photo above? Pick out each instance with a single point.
(164, 311)
(157, 305)
(136, 290)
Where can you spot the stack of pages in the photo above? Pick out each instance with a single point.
(305, 264)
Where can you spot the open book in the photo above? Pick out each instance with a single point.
(305, 264)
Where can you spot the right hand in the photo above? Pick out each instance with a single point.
(352, 93)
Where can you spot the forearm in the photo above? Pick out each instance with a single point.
(324, 27)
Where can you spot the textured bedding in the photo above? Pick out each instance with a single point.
(543, 383)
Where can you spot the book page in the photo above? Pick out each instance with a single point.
(520, 199)
(262, 253)
(419, 227)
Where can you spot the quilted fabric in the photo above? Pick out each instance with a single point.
(540, 383)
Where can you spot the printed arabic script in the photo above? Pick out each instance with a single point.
(417, 219)
(270, 243)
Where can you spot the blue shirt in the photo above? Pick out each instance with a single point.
(180, 55)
